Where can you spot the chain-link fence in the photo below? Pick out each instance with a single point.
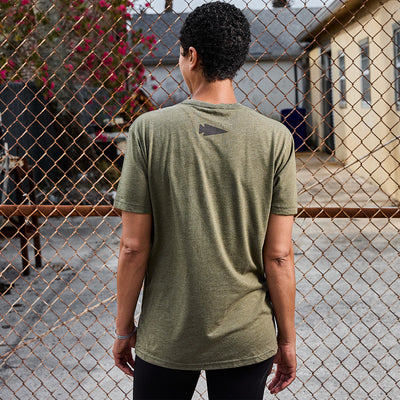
(75, 74)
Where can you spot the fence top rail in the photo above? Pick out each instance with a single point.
(348, 212)
(9, 211)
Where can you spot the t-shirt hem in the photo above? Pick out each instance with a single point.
(121, 205)
(284, 210)
(206, 366)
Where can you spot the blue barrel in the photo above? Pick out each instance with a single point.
(295, 120)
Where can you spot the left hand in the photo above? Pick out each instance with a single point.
(286, 368)
(122, 351)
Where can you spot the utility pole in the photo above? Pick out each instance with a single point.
(168, 6)
(280, 3)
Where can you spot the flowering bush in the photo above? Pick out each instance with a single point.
(64, 43)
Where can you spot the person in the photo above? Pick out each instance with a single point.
(208, 194)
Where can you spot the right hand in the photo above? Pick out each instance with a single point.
(286, 363)
(122, 351)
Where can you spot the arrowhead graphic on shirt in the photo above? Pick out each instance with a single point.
(208, 130)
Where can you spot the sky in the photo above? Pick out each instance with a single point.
(182, 5)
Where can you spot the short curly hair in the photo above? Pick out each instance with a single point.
(220, 33)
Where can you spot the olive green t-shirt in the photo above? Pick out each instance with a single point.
(210, 175)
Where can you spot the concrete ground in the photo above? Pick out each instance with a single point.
(57, 323)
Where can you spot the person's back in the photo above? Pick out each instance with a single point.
(209, 178)
(211, 170)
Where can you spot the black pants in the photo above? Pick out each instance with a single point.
(158, 383)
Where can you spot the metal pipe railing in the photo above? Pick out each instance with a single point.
(109, 211)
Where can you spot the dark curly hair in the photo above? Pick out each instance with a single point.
(220, 33)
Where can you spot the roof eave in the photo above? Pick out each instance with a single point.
(166, 60)
(255, 57)
(338, 10)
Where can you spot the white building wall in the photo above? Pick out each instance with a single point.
(165, 85)
(267, 86)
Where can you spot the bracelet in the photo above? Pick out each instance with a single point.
(123, 337)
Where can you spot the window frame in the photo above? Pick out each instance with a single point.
(366, 94)
(396, 64)
(342, 89)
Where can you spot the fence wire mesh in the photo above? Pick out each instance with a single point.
(73, 77)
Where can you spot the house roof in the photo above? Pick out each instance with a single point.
(274, 33)
(328, 16)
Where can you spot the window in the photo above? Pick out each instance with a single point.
(342, 81)
(397, 66)
(365, 74)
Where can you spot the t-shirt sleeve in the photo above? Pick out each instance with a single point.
(133, 188)
(284, 197)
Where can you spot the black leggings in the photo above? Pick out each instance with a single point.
(158, 383)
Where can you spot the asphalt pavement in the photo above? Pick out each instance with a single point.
(57, 323)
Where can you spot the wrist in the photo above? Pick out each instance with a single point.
(124, 325)
(287, 344)
(288, 339)
(125, 335)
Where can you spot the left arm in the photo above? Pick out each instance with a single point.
(280, 275)
(132, 263)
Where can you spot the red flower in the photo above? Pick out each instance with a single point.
(69, 67)
(123, 49)
(103, 4)
(101, 137)
(99, 30)
(108, 61)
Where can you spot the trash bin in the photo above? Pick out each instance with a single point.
(295, 120)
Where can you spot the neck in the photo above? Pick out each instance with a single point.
(214, 92)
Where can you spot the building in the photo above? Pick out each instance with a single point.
(354, 58)
(272, 78)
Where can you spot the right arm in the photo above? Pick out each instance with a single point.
(132, 263)
(280, 275)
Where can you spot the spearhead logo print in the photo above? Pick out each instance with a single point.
(208, 130)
